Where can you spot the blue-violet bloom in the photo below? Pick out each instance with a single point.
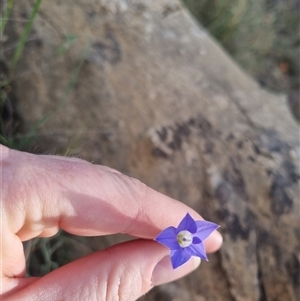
(186, 240)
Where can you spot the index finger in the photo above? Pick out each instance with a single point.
(46, 193)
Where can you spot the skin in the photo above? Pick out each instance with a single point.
(42, 194)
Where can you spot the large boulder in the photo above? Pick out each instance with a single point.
(140, 86)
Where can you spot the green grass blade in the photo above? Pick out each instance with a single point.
(24, 36)
(3, 140)
(6, 15)
(70, 39)
(4, 83)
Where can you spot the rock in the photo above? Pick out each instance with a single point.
(144, 89)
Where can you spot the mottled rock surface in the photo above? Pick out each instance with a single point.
(157, 98)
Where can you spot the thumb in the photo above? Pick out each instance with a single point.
(123, 272)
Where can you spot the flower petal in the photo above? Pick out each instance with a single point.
(204, 229)
(198, 250)
(187, 224)
(196, 240)
(179, 257)
(168, 238)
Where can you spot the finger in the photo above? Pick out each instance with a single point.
(40, 195)
(46, 194)
(77, 160)
(123, 272)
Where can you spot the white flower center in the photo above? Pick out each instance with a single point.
(184, 238)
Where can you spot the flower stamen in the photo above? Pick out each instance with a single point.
(184, 238)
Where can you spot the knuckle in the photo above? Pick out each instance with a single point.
(124, 284)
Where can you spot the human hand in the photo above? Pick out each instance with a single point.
(42, 194)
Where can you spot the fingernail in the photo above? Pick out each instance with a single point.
(164, 272)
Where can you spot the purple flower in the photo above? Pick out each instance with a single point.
(186, 240)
